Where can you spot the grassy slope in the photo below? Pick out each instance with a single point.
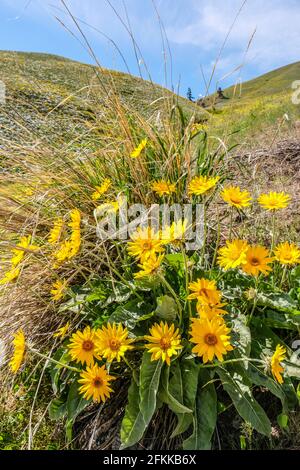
(72, 92)
(257, 107)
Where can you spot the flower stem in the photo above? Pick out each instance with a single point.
(273, 231)
(47, 358)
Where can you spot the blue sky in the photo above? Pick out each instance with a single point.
(196, 31)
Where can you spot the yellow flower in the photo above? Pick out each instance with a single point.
(100, 190)
(277, 369)
(235, 197)
(211, 338)
(138, 150)
(274, 201)
(257, 261)
(210, 312)
(82, 346)
(112, 342)
(201, 184)
(287, 253)
(59, 288)
(21, 249)
(10, 276)
(95, 382)
(62, 331)
(56, 231)
(233, 254)
(174, 234)
(205, 292)
(69, 248)
(145, 243)
(164, 342)
(163, 188)
(149, 266)
(19, 351)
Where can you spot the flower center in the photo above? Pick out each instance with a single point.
(210, 339)
(114, 344)
(255, 262)
(88, 345)
(165, 343)
(98, 382)
(204, 292)
(235, 200)
(147, 245)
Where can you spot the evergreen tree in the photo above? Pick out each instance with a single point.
(190, 95)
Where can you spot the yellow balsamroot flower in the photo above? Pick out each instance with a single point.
(21, 249)
(100, 190)
(205, 292)
(164, 342)
(62, 331)
(138, 150)
(235, 197)
(145, 243)
(19, 345)
(109, 207)
(274, 201)
(149, 266)
(210, 312)
(163, 188)
(287, 253)
(10, 276)
(211, 338)
(112, 342)
(257, 261)
(202, 184)
(174, 234)
(83, 346)
(69, 248)
(276, 366)
(56, 231)
(59, 288)
(95, 382)
(233, 254)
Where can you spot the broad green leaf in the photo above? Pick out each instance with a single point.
(75, 402)
(282, 302)
(166, 308)
(237, 387)
(283, 421)
(205, 415)
(149, 384)
(281, 320)
(171, 389)
(189, 375)
(133, 424)
(131, 313)
(241, 336)
(258, 377)
(57, 409)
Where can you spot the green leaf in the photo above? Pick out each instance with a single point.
(75, 402)
(205, 415)
(189, 375)
(149, 384)
(258, 377)
(133, 424)
(241, 336)
(238, 388)
(57, 409)
(281, 320)
(172, 389)
(131, 313)
(282, 302)
(283, 421)
(166, 308)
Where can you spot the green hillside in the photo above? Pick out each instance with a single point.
(277, 81)
(52, 97)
